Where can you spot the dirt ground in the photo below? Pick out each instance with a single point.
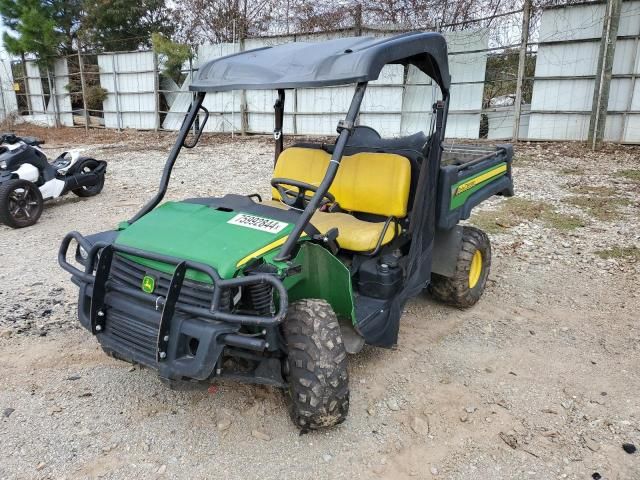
(539, 380)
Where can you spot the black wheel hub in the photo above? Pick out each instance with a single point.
(23, 203)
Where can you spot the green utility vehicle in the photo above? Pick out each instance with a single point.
(278, 291)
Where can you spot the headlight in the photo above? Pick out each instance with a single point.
(81, 255)
(3, 164)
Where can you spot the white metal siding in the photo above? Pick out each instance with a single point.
(562, 106)
(130, 91)
(9, 102)
(391, 106)
(61, 75)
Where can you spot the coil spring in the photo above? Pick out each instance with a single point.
(261, 298)
(225, 300)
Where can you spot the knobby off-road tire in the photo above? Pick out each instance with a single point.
(88, 165)
(20, 203)
(466, 286)
(316, 367)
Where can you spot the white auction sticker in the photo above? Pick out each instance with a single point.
(258, 223)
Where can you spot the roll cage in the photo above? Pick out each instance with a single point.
(303, 65)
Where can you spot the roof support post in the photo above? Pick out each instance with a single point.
(277, 131)
(345, 128)
(192, 114)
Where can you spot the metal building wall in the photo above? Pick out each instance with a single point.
(565, 74)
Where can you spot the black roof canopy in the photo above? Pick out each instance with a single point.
(333, 62)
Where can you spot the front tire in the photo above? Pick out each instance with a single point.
(467, 284)
(87, 165)
(20, 203)
(316, 366)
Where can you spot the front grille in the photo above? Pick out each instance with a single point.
(137, 335)
(130, 274)
(136, 330)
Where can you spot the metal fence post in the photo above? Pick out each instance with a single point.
(602, 85)
(156, 89)
(295, 102)
(53, 96)
(4, 105)
(358, 20)
(524, 39)
(244, 113)
(83, 89)
(115, 91)
(25, 77)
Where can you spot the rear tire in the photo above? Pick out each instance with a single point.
(20, 203)
(467, 284)
(316, 367)
(87, 165)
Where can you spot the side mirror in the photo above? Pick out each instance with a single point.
(198, 128)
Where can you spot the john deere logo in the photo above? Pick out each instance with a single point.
(148, 284)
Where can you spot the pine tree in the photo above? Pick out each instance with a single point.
(115, 25)
(32, 28)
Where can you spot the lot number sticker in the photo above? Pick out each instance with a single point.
(258, 223)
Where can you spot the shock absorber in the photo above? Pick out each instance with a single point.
(261, 295)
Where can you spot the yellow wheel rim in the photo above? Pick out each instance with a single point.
(476, 269)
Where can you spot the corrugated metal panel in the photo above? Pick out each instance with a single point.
(130, 91)
(224, 107)
(61, 75)
(390, 106)
(561, 126)
(9, 102)
(501, 123)
(563, 98)
(36, 93)
(577, 22)
(180, 101)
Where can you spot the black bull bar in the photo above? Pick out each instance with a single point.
(100, 282)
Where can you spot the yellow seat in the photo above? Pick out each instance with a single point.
(353, 234)
(368, 182)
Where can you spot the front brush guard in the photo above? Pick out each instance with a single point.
(100, 283)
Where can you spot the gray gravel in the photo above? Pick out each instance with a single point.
(539, 380)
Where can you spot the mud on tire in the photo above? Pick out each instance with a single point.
(459, 290)
(316, 367)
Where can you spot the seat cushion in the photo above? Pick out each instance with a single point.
(353, 234)
(368, 182)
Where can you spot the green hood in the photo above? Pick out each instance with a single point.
(221, 239)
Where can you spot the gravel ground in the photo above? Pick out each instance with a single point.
(538, 380)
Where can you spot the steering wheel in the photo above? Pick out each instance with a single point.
(297, 197)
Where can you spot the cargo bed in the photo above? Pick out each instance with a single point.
(469, 175)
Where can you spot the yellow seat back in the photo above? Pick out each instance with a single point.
(367, 182)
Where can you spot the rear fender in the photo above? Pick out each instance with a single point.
(5, 176)
(99, 170)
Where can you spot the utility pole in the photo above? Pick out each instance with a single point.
(600, 103)
(524, 39)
